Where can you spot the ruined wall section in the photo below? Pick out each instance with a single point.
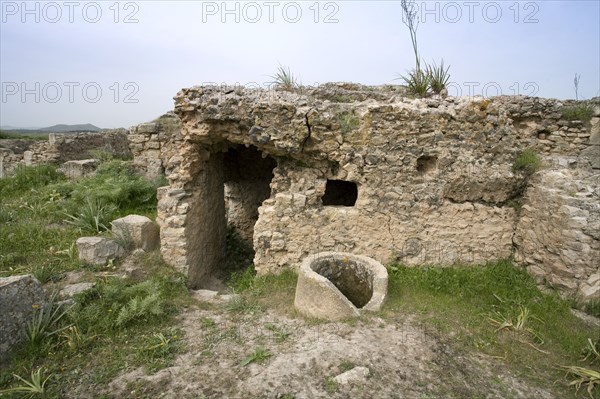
(558, 233)
(60, 148)
(154, 146)
(435, 176)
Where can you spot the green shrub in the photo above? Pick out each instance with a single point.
(527, 161)
(116, 183)
(116, 304)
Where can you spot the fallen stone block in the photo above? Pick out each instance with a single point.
(71, 290)
(20, 296)
(139, 230)
(98, 250)
(354, 376)
(79, 169)
(212, 296)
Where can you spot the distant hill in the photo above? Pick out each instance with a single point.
(88, 127)
(16, 132)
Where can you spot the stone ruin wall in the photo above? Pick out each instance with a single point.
(60, 148)
(434, 176)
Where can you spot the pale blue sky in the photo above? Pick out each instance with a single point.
(526, 47)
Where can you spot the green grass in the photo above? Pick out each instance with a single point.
(348, 121)
(260, 355)
(527, 161)
(22, 136)
(438, 76)
(284, 79)
(36, 232)
(256, 293)
(94, 340)
(120, 323)
(581, 112)
(468, 302)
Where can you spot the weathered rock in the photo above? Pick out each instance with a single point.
(139, 230)
(212, 296)
(20, 296)
(78, 169)
(98, 250)
(557, 236)
(71, 290)
(354, 376)
(337, 286)
(592, 154)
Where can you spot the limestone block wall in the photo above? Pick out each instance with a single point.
(421, 181)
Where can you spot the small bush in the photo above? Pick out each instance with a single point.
(527, 161)
(581, 112)
(117, 183)
(114, 304)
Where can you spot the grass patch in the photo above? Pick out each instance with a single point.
(495, 308)
(275, 291)
(581, 112)
(417, 82)
(42, 214)
(438, 76)
(348, 121)
(260, 355)
(157, 350)
(94, 341)
(120, 323)
(527, 161)
(284, 79)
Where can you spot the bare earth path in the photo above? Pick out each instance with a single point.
(404, 360)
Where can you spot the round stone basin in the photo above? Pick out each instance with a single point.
(338, 285)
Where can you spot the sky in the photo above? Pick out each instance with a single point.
(120, 63)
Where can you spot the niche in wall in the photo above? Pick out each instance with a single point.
(340, 193)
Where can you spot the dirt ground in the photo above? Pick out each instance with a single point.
(404, 360)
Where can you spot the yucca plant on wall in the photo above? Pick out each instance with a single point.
(420, 80)
(438, 76)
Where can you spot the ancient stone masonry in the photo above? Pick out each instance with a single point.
(368, 171)
(60, 148)
(154, 145)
